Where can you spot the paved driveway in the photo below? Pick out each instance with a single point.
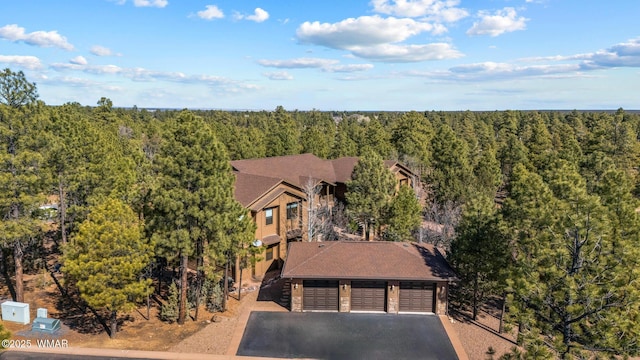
(345, 336)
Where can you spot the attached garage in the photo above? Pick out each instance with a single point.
(417, 296)
(320, 295)
(368, 296)
(368, 276)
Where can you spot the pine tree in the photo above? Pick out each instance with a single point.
(576, 275)
(369, 191)
(107, 258)
(411, 135)
(22, 180)
(452, 174)
(15, 90)
(403, 215)
(284, 134)
(194, 212)
(479, 253)
(4, 334)
(376, 138)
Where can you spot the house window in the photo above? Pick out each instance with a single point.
(292, 210)
(269, 254)
(268, 214)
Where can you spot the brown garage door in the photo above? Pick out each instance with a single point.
(368, 296)
(417, 296)
(320, 295)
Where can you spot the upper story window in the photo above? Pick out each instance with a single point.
(268, 215)
(292, 210)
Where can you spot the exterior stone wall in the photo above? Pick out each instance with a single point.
(345, 296)
(296, 295)
(442, 292)
(393, 297)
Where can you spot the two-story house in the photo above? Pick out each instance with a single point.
(275, 191)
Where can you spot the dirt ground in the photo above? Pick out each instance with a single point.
(135, 331)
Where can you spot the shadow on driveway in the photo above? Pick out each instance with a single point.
(345, 336)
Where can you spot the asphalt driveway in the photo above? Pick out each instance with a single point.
(345, 336)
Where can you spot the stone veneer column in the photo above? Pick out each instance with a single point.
(296, 295)
(393, 296)
(442, 291)
(345, 296)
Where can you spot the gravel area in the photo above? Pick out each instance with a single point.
(477, 336)
(216, 337)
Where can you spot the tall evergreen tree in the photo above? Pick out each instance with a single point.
(22, 180)
(107, 258)
(284, 134)
(479, 253)
(411, 135)
(404, 215)
(452, 174)
(369, 191)
(194, 209)
(577, 276)
(15, 90)
(377, 138)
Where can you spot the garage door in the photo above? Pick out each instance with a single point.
(417, 296)
(320, 295)
(368, 296)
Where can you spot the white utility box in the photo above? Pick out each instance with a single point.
(42, 313)
(16, 312)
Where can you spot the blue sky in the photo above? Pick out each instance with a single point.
(328, 55)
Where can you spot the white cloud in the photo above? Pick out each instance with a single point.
(625, 54)
(433, 10)
(408, 53)
(98, 50)
(501, 71)
(27, 62)
(327, 65)
(15, 33)
(376, 38)
(348, 68)
(362, 31)
(144, 75)
(211, 12)
(502, 21)
(79, 60)
(259, 15)
(299, 63)
(278, 75)
(150, 3)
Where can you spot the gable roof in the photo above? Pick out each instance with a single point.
(248, 187)
(298, 169)
(368, 260)
(343, 167)
(295, 169)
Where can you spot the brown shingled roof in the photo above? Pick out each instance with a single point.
(294, 169)
(343, 167)
(366, 260)
(249, 187)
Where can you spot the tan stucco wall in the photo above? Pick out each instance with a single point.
(280, 226)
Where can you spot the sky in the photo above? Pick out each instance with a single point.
(331, 55)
